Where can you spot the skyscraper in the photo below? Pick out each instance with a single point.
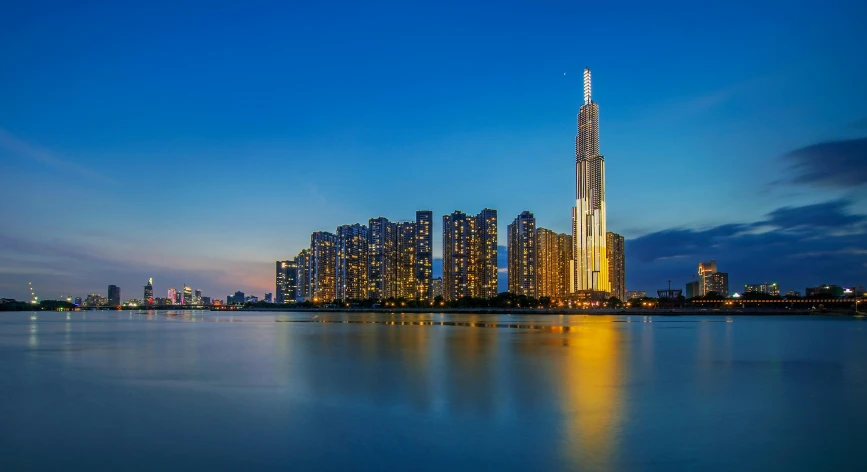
(553, 256)
(352, 258)
(302, 260)
(616, 248)
(405, 282)
(470, 255)
(588, 215)
(197, 298)
(486, 253)
(172, 296)
(238, 298)
(382, 247)
(286, 283)
(323, 266)
(188, 295)
(710, 280)
(113, 295)
(423, 254)
(149, 292)
(522, 255)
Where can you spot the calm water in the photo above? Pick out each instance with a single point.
(301, 391)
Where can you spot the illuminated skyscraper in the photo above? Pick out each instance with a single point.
(616, 247)
(423, 254)
(197, 297)
(522, 255)
(149, 293)
(188, 295)
(470, 255)
(302, 260)
(286, 283)
(588, 215)
(486, 253)
(382, 247)
(323, 266)
(352, 256)
(172, 296)
(405, 283)
(709, 280)
(553, 257)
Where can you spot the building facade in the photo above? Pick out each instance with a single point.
(436, 288)
(470, 255)
(615, 245)
(710, 280)
(765, 288)
(588, 215)
(323, 267)
(423, 254)
(148, 298)
(382, 248)
(302, 260)
(188, 295)
(404, 270)
(522, 256)
(352, 259)
(113, 295)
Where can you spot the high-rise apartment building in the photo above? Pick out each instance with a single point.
(436, 288)
(405, 283)
(423, 254)
(486, 253)
(302, 260)
(615, 245)
(470, 255)
(113, 295)
(382, 248)
(149, 293)
(588, 215)
(522, 257)
(352, 259)
(323, 265)
(553, 256)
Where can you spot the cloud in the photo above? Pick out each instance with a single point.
(17, 146)
(830, 164)
(794, 246)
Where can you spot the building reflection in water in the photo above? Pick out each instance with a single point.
(592, 366)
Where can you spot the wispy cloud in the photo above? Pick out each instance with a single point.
(831, 164)
(21, 148)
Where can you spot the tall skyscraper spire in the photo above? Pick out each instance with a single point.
(588, 216)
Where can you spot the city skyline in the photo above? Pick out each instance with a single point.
(748, 151)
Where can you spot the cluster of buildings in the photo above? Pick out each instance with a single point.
(393, 260)
(709, 280)
(380, 260)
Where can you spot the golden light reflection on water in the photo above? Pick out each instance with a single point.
(592, 393)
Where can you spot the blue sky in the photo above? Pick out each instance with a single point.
(198, 142)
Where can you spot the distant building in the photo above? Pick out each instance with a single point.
(710, 280)
(436, 287)
(197, 297)
(149, 292)
(793, 293)
(616, 251)
(352, 258)
(302, 260)
(206, 301)
(635, 294)
(238, 298)
(95, 299)
(286, 286)
(522, 255)
(188, 295)
(405, 283)
(382, 259)
(77, 301)
(114, 295)
(829, 291)
(470, 255)
(268, 298)
(764, 288)
(251, 299)
(323, 262)
(693, 289)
